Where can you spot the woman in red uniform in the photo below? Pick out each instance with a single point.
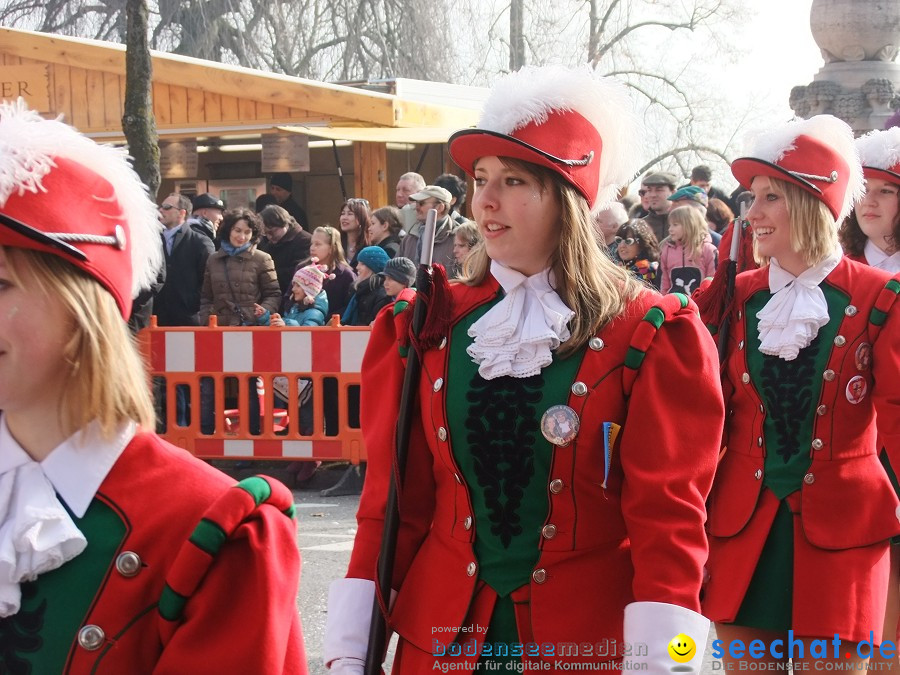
(870, 235)
(540, 506)
(119, 553)
(801, 509)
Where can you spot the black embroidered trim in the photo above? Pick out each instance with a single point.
(503, 424)
(787, 387)
(21, 633)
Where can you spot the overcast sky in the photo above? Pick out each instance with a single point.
(781, 54)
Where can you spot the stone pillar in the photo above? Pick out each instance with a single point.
(860, 81)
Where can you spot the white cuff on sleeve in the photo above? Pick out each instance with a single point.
(347, 626)
(650, 627)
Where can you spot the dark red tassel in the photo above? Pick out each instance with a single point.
(439, 311)
(710, 297)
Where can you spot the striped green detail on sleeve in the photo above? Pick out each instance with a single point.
(171, 604)
(893, 285)
(682, 298)
(634, 358)
(257, 488)
(208, 537)
(400, 306)
(655, 316)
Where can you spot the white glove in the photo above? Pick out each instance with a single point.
(347, 626)
(653, 625)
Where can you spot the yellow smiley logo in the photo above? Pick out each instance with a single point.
(682, 648)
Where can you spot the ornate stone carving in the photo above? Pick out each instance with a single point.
(856, 30)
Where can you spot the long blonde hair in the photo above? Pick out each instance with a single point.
(107, 380)
(588, 282)
(813, 227)
(333, 236)
(695, 229)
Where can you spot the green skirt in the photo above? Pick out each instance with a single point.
(769, 597)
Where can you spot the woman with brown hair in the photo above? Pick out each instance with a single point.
(531, 508)
(384, 229)
(353, 222)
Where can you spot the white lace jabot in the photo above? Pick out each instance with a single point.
(797, 309)
(517, 335)
(878, 258)
(36, 532)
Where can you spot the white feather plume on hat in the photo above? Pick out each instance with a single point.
(532, 93)
(28, 144)
(772, 145)
(880, 148)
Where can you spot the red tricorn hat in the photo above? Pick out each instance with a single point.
(879, 152)
(817, 154)
(63, 194)
(570, 121)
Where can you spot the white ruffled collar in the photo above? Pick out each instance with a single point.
(797, 309)
(878, 258)
(517, 335)
(36, 532)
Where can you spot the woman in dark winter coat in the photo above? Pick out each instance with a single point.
(370, 295)
(384, 229)
(285, 241)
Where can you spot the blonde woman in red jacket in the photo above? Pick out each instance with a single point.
(801, 509)
(119, 553)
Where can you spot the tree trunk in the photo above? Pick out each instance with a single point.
(593, 33)
(516, 34)
(138, 122)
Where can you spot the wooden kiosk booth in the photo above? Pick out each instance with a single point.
(223, 128)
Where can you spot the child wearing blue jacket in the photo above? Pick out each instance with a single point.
(308, 304)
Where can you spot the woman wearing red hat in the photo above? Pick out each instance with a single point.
(870, 235)
(801, 509)
(535, 525)
(119, 553)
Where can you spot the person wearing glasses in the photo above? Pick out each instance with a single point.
(286, 241)
(638, 251)
(186, 253)
(438, 198)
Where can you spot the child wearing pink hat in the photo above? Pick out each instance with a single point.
(308, 304)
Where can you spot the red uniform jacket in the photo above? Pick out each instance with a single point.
(846, 500)
(640, 538)
(242, 617)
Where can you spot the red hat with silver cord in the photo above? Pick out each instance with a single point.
(880, 154)
(817, 154)
(572, 121)
(62, 193)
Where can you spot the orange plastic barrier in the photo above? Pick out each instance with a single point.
(316, 367)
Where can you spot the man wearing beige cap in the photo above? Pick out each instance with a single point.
(438, 198)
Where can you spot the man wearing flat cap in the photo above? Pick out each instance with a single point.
(658, 187)
(281, 186)
(206, 215)
(438, 198)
